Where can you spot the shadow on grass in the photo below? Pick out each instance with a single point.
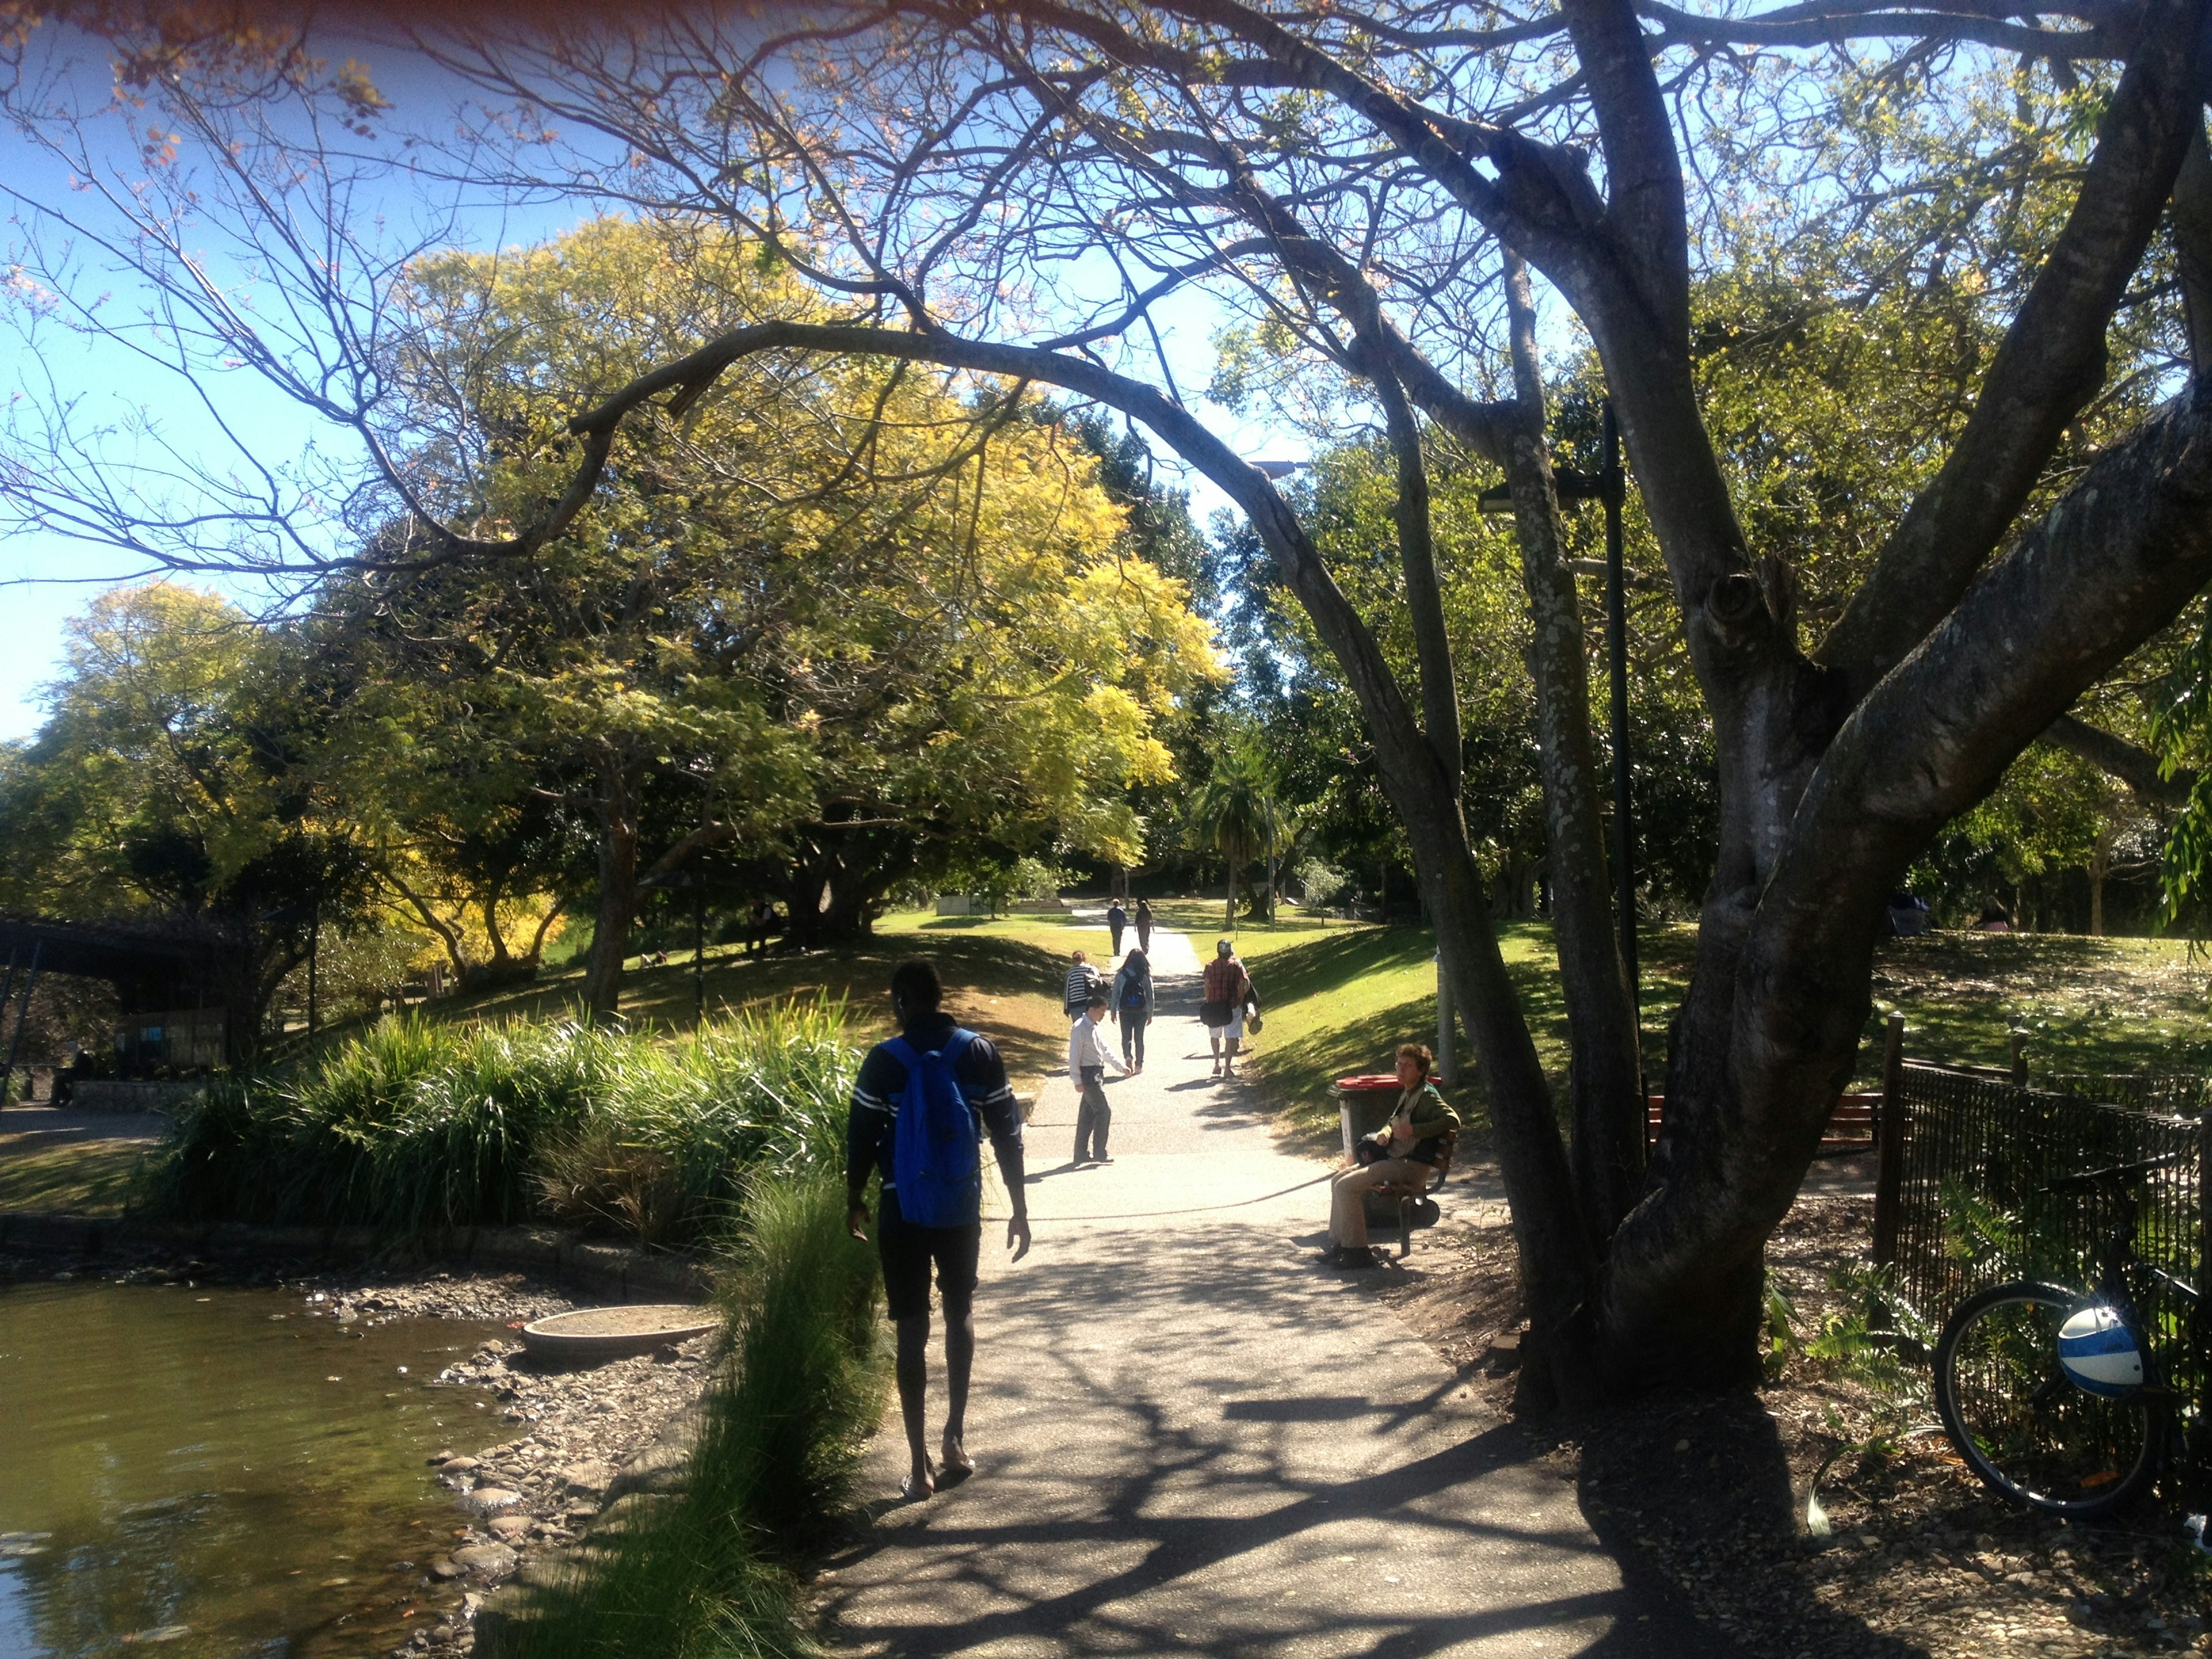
(88, 1177)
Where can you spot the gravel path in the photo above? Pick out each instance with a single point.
(1193, 1437)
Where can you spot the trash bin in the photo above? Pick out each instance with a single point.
(1363, 1103)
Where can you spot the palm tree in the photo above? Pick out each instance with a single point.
(1235, 812)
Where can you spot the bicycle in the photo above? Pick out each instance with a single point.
(2029, 1430)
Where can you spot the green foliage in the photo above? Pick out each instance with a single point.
(1319, 881)
(706, 1574)
(415, 1125)
(852, 623)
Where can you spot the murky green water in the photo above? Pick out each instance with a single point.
(220, 1475)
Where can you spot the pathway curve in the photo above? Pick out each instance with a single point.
(1193, 1438)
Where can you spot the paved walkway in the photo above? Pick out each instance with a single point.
(1193, 1438)
(41, 1127)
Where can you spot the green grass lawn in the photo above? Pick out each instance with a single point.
(1339, 997)
(83, 1178)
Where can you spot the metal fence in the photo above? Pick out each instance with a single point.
(2168, 1097)
(1961, 1199)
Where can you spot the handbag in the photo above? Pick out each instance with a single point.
(1252, 1023)
(1367, 1150)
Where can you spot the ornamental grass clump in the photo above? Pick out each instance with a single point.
(706, 1573)
(416, 1125)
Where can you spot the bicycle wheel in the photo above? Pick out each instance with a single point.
(2021, 1424)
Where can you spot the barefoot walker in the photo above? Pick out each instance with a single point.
(919, 1107)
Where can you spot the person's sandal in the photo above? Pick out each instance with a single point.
(957, 1465)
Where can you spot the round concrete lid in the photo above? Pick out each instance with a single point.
(605, 1332)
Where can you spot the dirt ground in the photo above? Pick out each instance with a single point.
(1918, 1559)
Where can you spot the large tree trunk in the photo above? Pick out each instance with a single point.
(617, 906)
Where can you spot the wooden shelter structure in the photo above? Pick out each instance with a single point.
(170, 979)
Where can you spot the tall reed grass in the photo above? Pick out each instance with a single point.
(706, 1573)
(416, 1125)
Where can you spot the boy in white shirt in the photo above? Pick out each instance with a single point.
(1087, 1059)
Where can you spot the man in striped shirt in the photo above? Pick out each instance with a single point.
(905, 1250)
(1083, 983)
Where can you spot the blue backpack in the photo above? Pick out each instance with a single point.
(936, 1160)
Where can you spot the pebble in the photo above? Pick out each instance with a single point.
(509, 1528)
(485, 1499)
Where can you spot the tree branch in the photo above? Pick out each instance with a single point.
(2135, 767)
(2193, 241)
(1802, 25)
(2051, 364)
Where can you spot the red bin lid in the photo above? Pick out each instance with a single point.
(1369, 1080)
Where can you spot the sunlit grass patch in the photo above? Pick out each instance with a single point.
(79, 1177)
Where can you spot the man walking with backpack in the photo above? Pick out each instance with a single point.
(921, 1105)
(1082, 981)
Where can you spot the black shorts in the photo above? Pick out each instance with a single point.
(907, 1252)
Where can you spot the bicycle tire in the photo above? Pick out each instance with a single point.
(2021, 1424)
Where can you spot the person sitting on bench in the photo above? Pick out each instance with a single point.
(1403, 1152)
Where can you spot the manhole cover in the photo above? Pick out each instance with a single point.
(607, 1332)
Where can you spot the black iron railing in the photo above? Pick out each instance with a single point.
(1963, 1197)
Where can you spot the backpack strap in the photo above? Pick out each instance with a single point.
(901, 1051)
(957, 1044)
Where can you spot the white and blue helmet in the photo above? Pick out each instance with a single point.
(2099, 1352)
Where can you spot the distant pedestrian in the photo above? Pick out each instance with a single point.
(1225, 988)
(1132, 1006)
(1145, 926)
(1087, 1059)
(920, 1107)
(1117, 919)
(760, 922)
(1082, 982)
(1995, 919)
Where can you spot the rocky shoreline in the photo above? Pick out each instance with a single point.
(587, 1436)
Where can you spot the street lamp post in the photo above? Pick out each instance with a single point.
(1614, 482)
(1610, 486)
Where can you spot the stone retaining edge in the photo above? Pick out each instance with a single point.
(614, 1271)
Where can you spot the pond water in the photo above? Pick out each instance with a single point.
(208, 1471)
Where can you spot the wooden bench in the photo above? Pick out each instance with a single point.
(1414, 1206)
(1850, 1128)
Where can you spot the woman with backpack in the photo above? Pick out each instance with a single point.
(1132, 1005)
